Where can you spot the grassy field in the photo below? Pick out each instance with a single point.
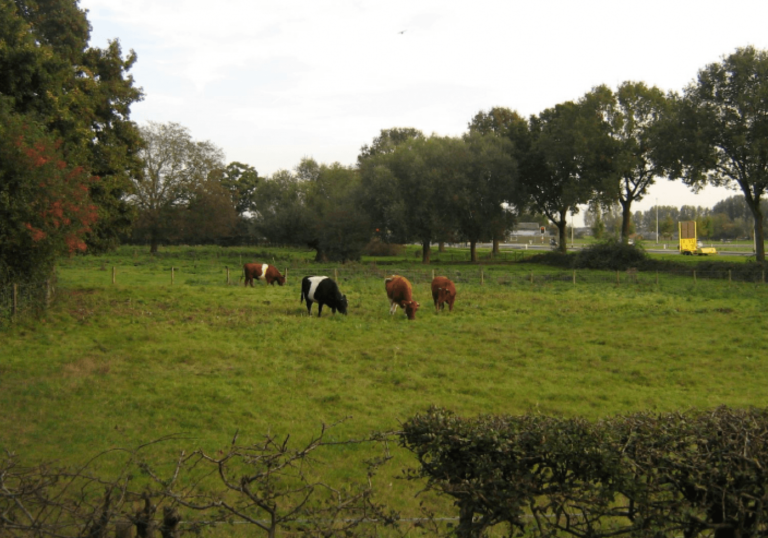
(125, 363)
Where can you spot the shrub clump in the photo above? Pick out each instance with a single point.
(376, 247)
(610, 255)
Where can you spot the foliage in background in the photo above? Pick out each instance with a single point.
(440, 189)
(571, 159)
(613, 255)
(318, 206)
(179, 195)
(632, 112)
(718, 132)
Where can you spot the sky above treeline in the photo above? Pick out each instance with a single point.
(273, 82)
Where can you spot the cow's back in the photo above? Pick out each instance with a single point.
(398, 288)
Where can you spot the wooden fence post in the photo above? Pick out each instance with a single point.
(482, 280)
(574, 277)
(114, 274)
(47, 293)
(15, 301)
(335, 274)
(227, 268)
(172, 275)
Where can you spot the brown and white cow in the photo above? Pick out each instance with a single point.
(443, 291)
(262, 271)
(399, 292)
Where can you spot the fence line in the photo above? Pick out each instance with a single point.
(19, 299)
(481, 274)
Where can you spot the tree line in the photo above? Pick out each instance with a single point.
(728, 219)
(77, 174)
(603, 150)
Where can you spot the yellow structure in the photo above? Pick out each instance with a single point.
(689, 243)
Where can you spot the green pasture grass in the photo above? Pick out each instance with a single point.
(122, 364)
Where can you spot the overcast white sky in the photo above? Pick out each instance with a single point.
(272, 82)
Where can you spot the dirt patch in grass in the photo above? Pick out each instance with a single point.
(85, 367)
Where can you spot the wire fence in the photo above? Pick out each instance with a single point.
(499, 274)
(26, 298)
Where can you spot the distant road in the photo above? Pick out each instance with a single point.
(655, 250)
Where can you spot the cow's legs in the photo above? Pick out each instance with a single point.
(319, 309)
(392, 308)
(309, 307)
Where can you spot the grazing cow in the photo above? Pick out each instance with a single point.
(262, 271)
(399, 294)
(323, 291)
(443, 291)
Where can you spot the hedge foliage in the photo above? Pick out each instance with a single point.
(697, 473)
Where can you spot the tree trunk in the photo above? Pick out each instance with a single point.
(425, 252)
(441, 246)
(154, 242)
(759, 235)
(473, 251)
(495, 250)
(562, 227)
(626, 219)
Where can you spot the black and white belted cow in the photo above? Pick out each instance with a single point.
(323, 291)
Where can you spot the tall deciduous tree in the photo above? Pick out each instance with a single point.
(407, 191)
(176, 169)
(510, 126)
(485, 183)
(388, 140)
(317, 206)
(80, 95)
(632, 113)
(570, 160)
(241, 181)
(719, 131)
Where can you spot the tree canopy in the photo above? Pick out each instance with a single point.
(318, 206)
(571, 159)
(63, 93)
(718, 132)
(179, 175)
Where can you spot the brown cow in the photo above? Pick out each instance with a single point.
(262, 271)
(399, 294)
(443, 291)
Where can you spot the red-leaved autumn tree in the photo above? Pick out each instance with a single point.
(45, 204)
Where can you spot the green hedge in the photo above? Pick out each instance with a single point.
(678, 474)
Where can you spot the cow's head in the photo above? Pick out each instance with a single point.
(410, 308)
(342, 305)
(280, 279)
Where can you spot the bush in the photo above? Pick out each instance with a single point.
(376, 247)
(643, 474)
(610, 255)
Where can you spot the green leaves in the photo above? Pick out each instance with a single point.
(720, 130)
(639, 475)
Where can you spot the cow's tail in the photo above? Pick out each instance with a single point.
(301, 299)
